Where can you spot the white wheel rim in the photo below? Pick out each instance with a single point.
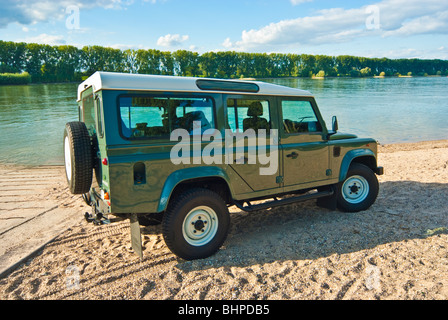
(200, 226)
(68, 159)
(355, 189)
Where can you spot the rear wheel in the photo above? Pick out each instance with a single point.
(359, 190)
(78, 157)
(196, 224)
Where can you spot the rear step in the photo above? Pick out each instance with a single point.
(275, 202)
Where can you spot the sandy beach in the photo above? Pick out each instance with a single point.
(398, 249)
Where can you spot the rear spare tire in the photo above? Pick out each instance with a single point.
(78, 157)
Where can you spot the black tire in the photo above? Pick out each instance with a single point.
(359, 189)
(196, 224)
(77, 157)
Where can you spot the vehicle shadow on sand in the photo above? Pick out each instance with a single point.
(404, 210)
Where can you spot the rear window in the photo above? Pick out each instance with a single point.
(145, 117)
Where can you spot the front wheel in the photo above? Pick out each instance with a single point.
(196, 224)
(359, 190)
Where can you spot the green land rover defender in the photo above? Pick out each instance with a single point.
(180, 151)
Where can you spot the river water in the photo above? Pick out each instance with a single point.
(390, 110)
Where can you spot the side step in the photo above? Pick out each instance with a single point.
(275, 202)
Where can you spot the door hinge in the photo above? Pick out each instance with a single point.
(279, 179)
(329, 172)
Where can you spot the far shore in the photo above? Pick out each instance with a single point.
(255, 79)
(347, 77)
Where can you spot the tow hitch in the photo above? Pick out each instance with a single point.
(96, 217)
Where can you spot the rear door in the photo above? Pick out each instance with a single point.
(249, 119)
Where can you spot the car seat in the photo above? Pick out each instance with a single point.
(254, 121)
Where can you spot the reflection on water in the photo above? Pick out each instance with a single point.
(32, 122)
(390, 110)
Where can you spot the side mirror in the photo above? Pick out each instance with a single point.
(334, 125)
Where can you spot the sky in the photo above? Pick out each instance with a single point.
(377, 28)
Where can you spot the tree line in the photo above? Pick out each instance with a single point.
(65, 63)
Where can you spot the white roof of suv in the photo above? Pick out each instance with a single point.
(143, 82)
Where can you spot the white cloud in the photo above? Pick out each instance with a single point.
(337, 25)
(193, 48)
(172, 40)
(396, 12)
(28, 12)
(124, 47)
(296, 2)
(227, 43)
(53, 40)
(331, 25)
(435, 23)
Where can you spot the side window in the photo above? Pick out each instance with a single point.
(299, 117)
(243, 114)
(144, 117)
(88, 110)
(99, 115)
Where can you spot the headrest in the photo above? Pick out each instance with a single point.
(195, 115)
(255, 109)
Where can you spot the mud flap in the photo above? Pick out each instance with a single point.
(136, 237)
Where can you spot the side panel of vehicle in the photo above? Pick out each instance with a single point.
(200, 175)
(345, 152)
(141, 173)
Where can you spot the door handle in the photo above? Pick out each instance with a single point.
(293, 155)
